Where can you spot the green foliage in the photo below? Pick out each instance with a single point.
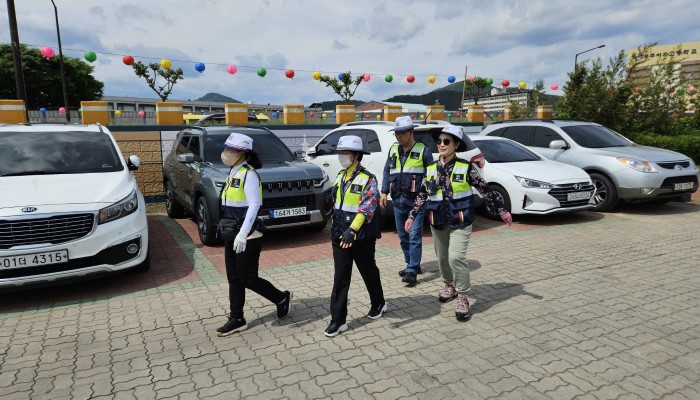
(687, 144)
(42, 79)
(478, 86)
(171, 76)
(345, 87)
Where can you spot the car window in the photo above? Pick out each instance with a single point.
(497, 132)
(269, 148)
(544, 135)
(194, 148)
(328, 144)
(520, 134)
(39, 153)
(500, 151)
(182, 144)
(595, 136)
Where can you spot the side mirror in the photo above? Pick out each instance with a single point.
(558, 144)
(185, 158)
(299, 154)
(311, 152)
(133, 163)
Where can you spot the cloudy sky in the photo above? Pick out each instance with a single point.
(513, 40)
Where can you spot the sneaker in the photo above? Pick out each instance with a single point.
(410, 278)
(285, 306)
(403, 272)
(376, 312)
(232, 326)
(335, 328)
(448, 293)
(462, 308)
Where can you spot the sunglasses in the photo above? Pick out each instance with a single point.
(446, 142)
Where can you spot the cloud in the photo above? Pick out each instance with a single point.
(135, 11)
(338, 45)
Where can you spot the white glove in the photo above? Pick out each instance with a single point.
(239, 242)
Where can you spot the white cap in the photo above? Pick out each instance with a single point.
(350, 143)
(403, 124)
(454, 130)
(240, 142)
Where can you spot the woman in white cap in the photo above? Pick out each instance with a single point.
(354, 232)
(446, 193)
(241, 199)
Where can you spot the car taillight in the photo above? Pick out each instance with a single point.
(478, 160)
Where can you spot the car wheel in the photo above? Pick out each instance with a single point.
(207, 234)
(491, 210)
(172, 207)
(606, 194)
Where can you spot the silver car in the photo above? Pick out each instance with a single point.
(620, 169)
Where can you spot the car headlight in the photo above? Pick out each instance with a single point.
(318, 182)
(531, 183)
(641, 166)
(120, 209)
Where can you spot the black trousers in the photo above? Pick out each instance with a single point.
(362, 254)
(242, 273)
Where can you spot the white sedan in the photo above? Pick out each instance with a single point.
(529, 183)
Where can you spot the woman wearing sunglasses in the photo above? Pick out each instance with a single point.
(446, 193)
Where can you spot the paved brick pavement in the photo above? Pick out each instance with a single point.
(586, 306)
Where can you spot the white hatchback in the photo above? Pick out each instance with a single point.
(69, 206)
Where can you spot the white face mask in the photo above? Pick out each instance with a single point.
(345, 160)
(229, 159)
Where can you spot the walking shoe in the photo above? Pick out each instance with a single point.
(403, 272)
(285, 306)
(448, 293)
(232, 326)
(410, 278)
(335, 328)
(376, 312)
(462, 308)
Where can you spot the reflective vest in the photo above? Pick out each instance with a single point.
(234, 203)
(347, 204)
(405, 178)
(457, 212)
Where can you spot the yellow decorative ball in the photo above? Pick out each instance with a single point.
(316, 75)
(165, 63)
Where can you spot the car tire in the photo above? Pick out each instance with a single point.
(172, 207)
(207, 233)
(490, 209)
(606, 197)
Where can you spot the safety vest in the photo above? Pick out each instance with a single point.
(234, 203)
(406, 177)
(456, 212)
(347, 204)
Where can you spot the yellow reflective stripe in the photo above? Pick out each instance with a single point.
(414, 170)
(461, 194)
(350, 208)
(460, 170)
(235, 203)
(436, 197)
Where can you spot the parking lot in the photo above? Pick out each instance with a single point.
(588, 305)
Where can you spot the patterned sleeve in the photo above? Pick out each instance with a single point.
(368, 205)
(490, 196)
(420, 199)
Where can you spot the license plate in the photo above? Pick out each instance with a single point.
(578, 196)
(288, 212)
(32, 260)
(683, 186)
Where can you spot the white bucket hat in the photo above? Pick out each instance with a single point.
(456, 132)
(351, 143)
(402, 124)
(240, 142)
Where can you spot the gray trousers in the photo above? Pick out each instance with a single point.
(451, 250)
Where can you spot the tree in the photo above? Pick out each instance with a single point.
(171, 76)
(344, 87)
(42, 79)
(477, 87)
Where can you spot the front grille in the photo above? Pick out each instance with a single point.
(51, 230)
(669, 182)
(672, 164)
(560, 193)
(276, 203)
(288, 185)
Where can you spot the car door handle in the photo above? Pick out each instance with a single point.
(325, 164)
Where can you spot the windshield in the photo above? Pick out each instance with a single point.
(595, 137)
(269, 148)
(502, 151)
(45, 153)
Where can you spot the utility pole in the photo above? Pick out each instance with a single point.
(60, 62)
(17, 56)
(464, 89)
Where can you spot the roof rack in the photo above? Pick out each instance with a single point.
(551, 121)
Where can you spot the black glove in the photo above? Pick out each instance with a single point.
(348, 236)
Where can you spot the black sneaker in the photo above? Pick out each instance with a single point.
(285, 306)
(403, 272)
(335, 328)
(376, 312)
(232, 326)
(410, 278)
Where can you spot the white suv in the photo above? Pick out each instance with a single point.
(69, 206)
(377, 138)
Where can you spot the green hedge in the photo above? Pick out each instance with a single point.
(685, 144)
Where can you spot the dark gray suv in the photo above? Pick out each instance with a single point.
(295, 193)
